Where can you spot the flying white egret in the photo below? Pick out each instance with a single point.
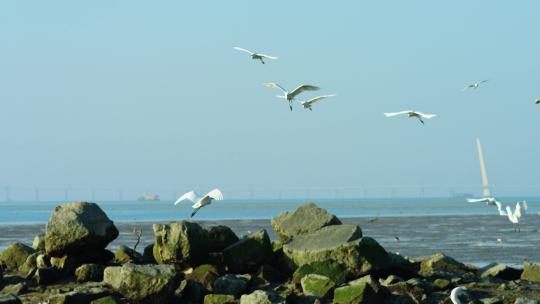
(256, 56)
(200, 201)
(489, 201)
(421, 116)
(290, 96)
(308, 103)
(455, 293)
(474, 86)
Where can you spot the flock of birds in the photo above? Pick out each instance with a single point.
(290, 96)
(513, 216)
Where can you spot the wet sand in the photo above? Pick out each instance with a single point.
(470, 239)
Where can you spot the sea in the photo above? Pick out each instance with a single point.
(472, 233)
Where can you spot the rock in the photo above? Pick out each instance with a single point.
(500, 271)
(124, 254)
(522, 300)
(182, 243)
(230, 284)
(43, 261)
(441, 284)
(440, 263)
(106, 300)
(340, 243)
(89, 272)
(359, 293)
(205, 275)
(266, 276)
(79, 295)
(191, 292)
(142, 283)
(248, 253)
(531, 272)
(316, 285)
(45, 276)
(261, 297)
(67, 264)
(219, 299)
(9, 299)
(305, 219)
(16, 289)
(76, 228)
(39, 242)
(220, 237)
(493, 300)
(29, 264)
(15, 255)
(148, 254)
(330, 269)
(400, 266)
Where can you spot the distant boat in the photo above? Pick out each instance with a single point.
(149, 198)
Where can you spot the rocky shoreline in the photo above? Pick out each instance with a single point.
(317, 259)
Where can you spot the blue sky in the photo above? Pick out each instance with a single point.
(146, 94)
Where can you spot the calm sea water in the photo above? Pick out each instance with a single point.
(130, 211)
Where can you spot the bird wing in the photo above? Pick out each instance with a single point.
(499, 208)
(215, 194)
(274, 85)
(392, 114)
(476, 200)
(191, 195)
(484, 81)
(426, 116)
(315, 99)
(243, 50)
(268, 56)
(302, 88)
(517, 211)
(525, 206)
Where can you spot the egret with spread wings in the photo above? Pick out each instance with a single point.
(308, 103)
(290, 96)
(256, 56)
(200, 202)
(421, 116)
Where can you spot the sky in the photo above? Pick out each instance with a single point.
(152, 94)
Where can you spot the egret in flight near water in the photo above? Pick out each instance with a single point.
(455, 293)
(256, 56)
(474, 86)
(421, 116)
(308, 103)
(200, 201)
(489, 201)
(290, 96)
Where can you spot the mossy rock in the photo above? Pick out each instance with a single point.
(219, 299)
(248, 253)
(220, 237)
(441, 284)
(124, 254)
(15, 255)
(89, 272)
(360, 293)
(183, 243)
(29, 265)
(39, 242)
(330, 269)
(531, 272)
(205, 274)
(317, 285)
(305, 219)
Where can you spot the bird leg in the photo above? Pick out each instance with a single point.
(261, 60)
(195, 211)
(310, 109)
(290, 105)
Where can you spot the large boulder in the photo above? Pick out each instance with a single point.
(248, 253)
(15, 255)
(305, 219)
(220, 237)
(440, 263)
(204, 274)
(357, 293)
(500, 271)
(78, 227)
(531, 272)
(142, 283)
(182, 243)
(81, 294)
(230, 284)
(343, 244)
